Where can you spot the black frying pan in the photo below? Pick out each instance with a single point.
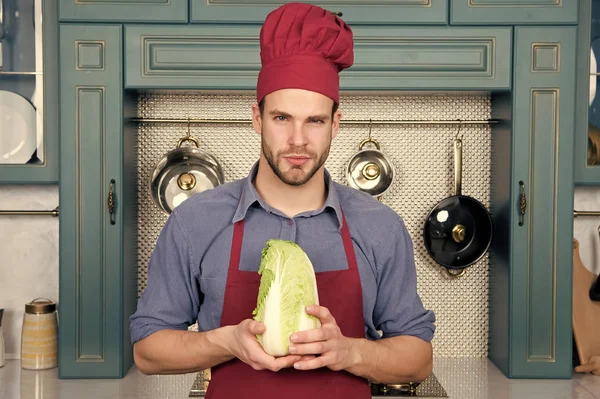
(458, 230)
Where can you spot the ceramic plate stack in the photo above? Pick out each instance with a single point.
(18, 139)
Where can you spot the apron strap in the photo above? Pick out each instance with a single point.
(348, 246)
(236, 245)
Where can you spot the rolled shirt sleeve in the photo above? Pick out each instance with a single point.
(399, 309)
(171, 299)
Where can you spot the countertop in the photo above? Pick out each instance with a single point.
(462, 378)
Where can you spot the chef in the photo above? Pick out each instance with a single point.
(204, 265)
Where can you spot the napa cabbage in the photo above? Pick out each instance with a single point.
(287, 286)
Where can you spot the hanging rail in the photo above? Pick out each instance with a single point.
(55, 212)
(343, 122)
(586, 213)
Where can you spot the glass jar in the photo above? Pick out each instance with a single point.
(39, 336)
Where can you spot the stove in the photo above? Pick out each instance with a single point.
(429, 388)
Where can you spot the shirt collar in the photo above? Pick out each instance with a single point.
(250, 196)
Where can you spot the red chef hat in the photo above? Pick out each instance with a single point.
(303, 46)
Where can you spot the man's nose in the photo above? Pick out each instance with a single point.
(298, 136)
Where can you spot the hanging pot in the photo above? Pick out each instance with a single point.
(183, 172)
(370, 170)
(458, 230)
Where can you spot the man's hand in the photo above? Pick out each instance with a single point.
(592, 367)
(335, 350)
(246, 347)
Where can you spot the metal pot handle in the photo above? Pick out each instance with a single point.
(368, 140)
(456, 274)
(184, 139)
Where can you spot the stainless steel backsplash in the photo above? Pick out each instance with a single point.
(422, 156)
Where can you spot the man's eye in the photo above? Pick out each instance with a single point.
(316, 121)
(280, 118)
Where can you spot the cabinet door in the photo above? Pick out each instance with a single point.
(478, 12)
(223, 57)
(587, 124)
(536, 327)
(29, 72)
(405, 12)
(124, 10)
(94, 339)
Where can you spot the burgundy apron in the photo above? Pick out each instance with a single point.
(339, 291)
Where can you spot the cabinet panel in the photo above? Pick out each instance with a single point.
(124, 10)
(91, 265)
(587, 112)
(509, 12)
(386, 58)
(354, 12)
(539, 325)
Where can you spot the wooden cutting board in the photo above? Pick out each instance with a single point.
(586, 313)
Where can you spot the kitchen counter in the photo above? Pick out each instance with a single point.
(461, 378)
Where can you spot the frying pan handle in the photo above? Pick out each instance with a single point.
(457, 166)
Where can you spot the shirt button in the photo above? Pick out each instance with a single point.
(290, 222)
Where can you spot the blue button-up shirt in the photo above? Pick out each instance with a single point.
(188, 267)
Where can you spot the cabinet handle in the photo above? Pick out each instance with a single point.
(522, 203)
(111, 201)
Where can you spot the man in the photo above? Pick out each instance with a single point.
(205, 262)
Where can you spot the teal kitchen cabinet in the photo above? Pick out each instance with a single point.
(222, 57)
(172, 11)
(511, 12)
(587, 112)
(399, 12)
(531, 259)
(98, 273)
(45, 169)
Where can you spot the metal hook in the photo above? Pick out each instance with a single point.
(188, 127)
(370, 125)
(458, 132)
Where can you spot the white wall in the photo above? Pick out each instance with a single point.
(28, 256)
(29, 251)
(586, 228)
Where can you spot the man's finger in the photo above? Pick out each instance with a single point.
(314, 363)
(256, 327)
(283, 362)
(314, 335)
(321, 312)
(586, 368)
(312, 348)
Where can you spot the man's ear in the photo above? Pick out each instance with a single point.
(335, 125)
(256, 119)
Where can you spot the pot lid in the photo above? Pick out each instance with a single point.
(180, 182)
(370, 171)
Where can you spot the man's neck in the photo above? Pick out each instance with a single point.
(291, 200)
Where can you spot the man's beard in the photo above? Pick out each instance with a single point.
(293, 179)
